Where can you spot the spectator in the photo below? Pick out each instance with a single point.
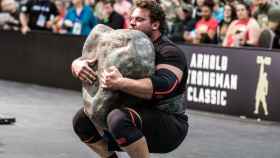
(9, 15)
(37, 15)
(233, 2)
(244, 31)
(183, 25)
(79, 19)
(123, 7)
(110, 17)
(218, 10)
(197, 10)
(58, 22)
(170, 7)
(206, 27)
(229, 16)
(270, 37)
(90, 3)
(261, 13)
(98, 6)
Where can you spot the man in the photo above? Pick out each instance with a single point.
(157, 126)
(9, 15)
(270, 37)
(206, 28)
(183, 25)
(261, 13)
(110, 17)
(37, 15)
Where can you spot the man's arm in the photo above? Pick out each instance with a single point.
(81, 69)
(24, 23)
(142, 88)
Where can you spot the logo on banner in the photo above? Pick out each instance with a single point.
(262, 86)
(209, 81)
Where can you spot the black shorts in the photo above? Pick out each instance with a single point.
(163, 131)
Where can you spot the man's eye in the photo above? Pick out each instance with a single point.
(139, 19)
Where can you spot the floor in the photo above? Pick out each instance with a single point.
(43, 129)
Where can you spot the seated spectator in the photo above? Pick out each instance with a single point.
(170, 8)
(270, 37)
(9, 15)
(97, 9)
(261, 13)
(229, 16)
(123, 7)
(110, 17)
(205, 28)
(218, 10)
(244, 31)
(234, 2)
(37, 15)
(79, 19)
(197, 9)
(183, 25)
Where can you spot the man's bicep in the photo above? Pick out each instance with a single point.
(175, 70)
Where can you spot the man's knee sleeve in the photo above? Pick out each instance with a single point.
(84, 128)
(125, 125)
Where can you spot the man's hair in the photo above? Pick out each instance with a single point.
(209, 4)
(111, 2)
(156, 12)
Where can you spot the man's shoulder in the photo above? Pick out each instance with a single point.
(164, 42)
(166, 46)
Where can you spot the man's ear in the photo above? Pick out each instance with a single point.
(155, 26)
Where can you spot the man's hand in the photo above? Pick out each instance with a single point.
(111, 79)
(25, 29)
(81, 69)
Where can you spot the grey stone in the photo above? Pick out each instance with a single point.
(131, 51)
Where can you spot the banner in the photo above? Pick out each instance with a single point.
(234, 81)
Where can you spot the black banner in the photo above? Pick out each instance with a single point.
(234, 81)
(39, 57)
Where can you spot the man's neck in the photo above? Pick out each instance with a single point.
(155, 35)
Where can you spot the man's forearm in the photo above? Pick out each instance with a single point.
(142, 88)
(23, 19)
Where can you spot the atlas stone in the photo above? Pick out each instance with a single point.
(131, 51)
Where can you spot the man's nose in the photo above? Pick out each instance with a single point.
(132, 22)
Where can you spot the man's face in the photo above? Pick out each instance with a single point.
(205, 12)
(107, 8)
(140, 20)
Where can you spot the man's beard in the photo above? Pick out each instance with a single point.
(148, 33)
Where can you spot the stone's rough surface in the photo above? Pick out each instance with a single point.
(130, 51)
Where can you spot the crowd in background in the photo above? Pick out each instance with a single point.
(230, 23)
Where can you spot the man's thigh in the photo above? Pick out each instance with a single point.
(163, 131)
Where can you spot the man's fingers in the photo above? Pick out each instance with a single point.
(85, 78)
(87, 68)
(89, 74)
